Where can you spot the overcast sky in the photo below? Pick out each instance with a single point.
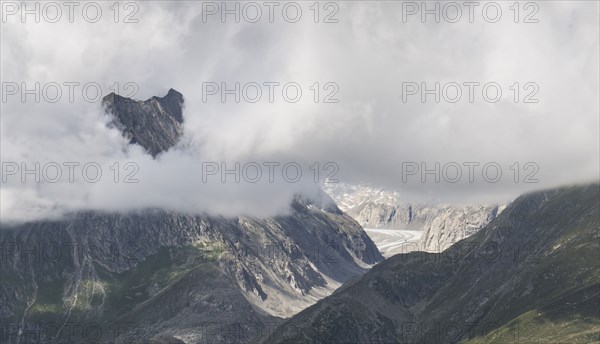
(374, 135)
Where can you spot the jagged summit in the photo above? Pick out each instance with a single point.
(173, 103)
(154, 124)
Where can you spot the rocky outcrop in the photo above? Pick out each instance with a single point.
(444, 225)
(155, 124)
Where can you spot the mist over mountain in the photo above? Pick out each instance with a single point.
(369, 133)
(168, 274)
(299, 172)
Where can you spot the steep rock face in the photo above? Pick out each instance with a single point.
(441, 225)
(154, 124)
(445, 225)
(278, 266)
(531, 275)
(159, 275)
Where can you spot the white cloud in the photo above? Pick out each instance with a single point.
(369, 133)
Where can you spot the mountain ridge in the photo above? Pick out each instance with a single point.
(532, 274)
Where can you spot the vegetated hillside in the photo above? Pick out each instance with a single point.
(531, 276)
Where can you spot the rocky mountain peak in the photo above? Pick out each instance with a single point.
(155, 123)
(173, 103)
